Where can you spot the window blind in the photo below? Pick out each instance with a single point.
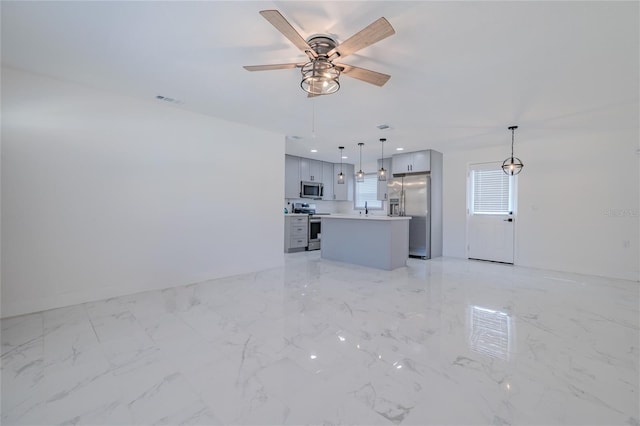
(490, 192)
(368, 191)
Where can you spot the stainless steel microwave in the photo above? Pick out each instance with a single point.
(311, 190)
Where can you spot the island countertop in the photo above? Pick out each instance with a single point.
(376, 241)
(365, 217)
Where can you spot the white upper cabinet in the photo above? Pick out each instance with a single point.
(411, 162)
(297, 169)
(328, 180)
(291, 176)
(310, 170)
(421, 161)
(382, 184)
(401, 163)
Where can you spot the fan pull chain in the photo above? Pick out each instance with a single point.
(313, 118)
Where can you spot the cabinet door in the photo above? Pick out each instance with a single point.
(295, 233)
(310, 170)
(315, 170)
(350, 171)
(305, 169)
(328, 179)
(344, 192)
(382, 184)
(291, 176)
(420, 161)
(411, 162)
(401, 163)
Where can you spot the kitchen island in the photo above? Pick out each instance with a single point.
(377, 241)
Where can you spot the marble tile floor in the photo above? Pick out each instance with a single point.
(440, 342)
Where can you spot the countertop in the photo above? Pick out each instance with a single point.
(363, 217)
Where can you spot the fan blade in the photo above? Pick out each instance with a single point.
(312, 95)
(270, 67)
(373, 33)
(365, 75)
(277, 20)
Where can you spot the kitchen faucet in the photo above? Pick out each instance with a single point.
(366, 210)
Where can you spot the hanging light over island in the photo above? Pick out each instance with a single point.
(382, 173)
(341, 175)
(360, 174)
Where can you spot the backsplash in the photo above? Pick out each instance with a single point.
(336, 207)
(321, 206)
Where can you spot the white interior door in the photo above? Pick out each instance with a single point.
(490, 213)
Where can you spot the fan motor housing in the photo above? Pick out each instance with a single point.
(321, 44)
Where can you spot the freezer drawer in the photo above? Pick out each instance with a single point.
(417, 237)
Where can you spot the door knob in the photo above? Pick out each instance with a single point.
(508, 220)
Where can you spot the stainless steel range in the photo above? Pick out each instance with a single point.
(304, 208)
(315, 228)
(315, 223)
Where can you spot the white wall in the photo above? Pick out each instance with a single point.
(578, 201)
(105, 195)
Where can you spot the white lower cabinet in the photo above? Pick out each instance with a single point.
(296, 229)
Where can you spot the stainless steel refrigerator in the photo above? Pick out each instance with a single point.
(411, 195)
(415, 196)
(419, 195)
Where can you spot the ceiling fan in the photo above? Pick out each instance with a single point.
(320, 74)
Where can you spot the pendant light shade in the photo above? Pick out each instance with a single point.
(382, 173)
(512, 165)
(360, 174)
(341, 179)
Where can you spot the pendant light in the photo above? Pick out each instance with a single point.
(382, 173)
(360, 174)
(340, 175)
(512, 165)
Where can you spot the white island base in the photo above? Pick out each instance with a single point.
(376, 241)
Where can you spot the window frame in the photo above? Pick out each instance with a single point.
(357, 184)
(511, 182)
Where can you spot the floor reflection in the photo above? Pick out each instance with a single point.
(490, 332)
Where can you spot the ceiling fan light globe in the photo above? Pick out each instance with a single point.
(320, 77)
(319, 86)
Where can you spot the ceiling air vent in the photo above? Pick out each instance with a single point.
(170, 100)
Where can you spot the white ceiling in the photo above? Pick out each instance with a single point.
(461, 72)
